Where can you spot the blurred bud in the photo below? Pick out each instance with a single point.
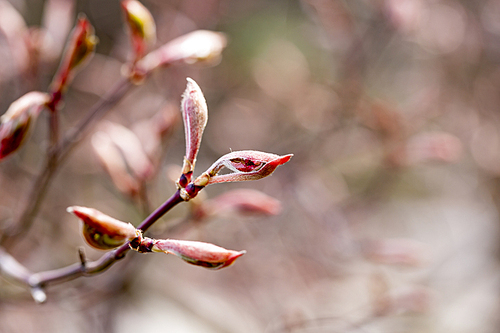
(412, 299)
(428, 147)
(245, 165)
(57, 20)
(13, 31)
(246, 201)
(102, 231)
(79, 49)
(404, 251)
(198, 253)
(141, 26)
(436, 146)
(131, 150)
(195, 116)
(198, 47)
(112, 160)
(155, 132)
(16, 122)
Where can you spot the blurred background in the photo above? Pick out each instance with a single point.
(388, 215)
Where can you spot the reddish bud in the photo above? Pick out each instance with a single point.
(198, 253)
(198, 47)
(16, 122)
(79, 49)
(102, 231)
(245, 165)
(141, 26)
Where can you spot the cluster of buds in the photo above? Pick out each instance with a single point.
(243, 165)
(124, 157)
(106, 233)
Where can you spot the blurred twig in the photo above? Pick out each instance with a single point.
(57, 156)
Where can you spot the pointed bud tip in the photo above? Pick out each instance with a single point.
(192, 86)
(284, 159)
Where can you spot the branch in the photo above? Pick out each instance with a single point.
(56, 157)
(12, 269)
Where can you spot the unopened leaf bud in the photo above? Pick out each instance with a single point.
(79, 49)
(198, 253)
(195, 115)
(17, 120)
(102, 231)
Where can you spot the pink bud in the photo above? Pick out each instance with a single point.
(102, 231)
(198, 253)
(79, 49)
(245, 165)
(141, 26)
(16, 122)
(197, 47)
(242, 201)
(195, 116)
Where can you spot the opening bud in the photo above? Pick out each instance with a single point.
(79, 49)
(141, 26)
(198, 253)
(244, 165)
(102, 231)
(16, 122)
